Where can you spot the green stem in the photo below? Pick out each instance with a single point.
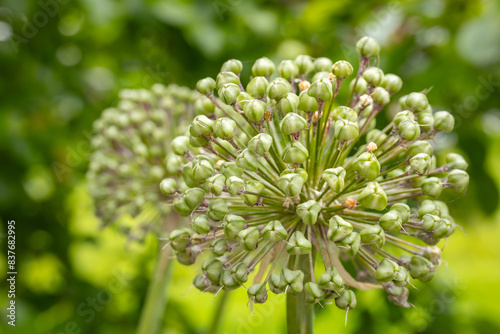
(299, 314)
(156, 299)
(218, 315)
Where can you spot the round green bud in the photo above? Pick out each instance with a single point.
(294, 153)
(202, 169)
(263, 67)
(350, 243)
(201, 224)
(402, 276)
(361, 86)
(346, 113)
(240, 273)
(342, 69)
(403, 116)
(338, 229)
(288, 70)
(373, 197)
(204, 106)
(274, 231)
(391, 222)
(420, 163)
(420, 267)
(202, 283)
(420, 146)
(226, 78)
(426, 120)
(373, 236)
(180, 145)
(314, 294)
(307, 103)
(168, 186)
(367, 47)
(233, 225)
(229, 169)
(243, 99)
(186, 257)
(277, 283)
(381, 96)
(429, 206)
(392, 83)
(289, 103)
(257, 87)
(232, 65)
(234, 185)
(346, 130)
(431, 222)
(300, 171)
(249, 238)
(409, 130)
(181, 207)
(432, 187)
(179, 239)
(403, 210)
(228, 282)
(460, 179)
(229, 92)
(294, 279)
(205, 86)
(291, 184)
(416, 101)
(277, 89)
(224, 128)
(247, 161)
(322, 64)
(201, 141)
(194, 197)
(298, 244)
(444, 121)
(334, 177)
(217, 209)
(387, 270)
(308, 211)
(260, 144)
(201, 126)
(257, 293)
(255, 110)
(373, 76)
(304, 64)
(331, 280)
(367, 166)
(292, 123)
(456, 161)
(212, 268)
(321, 89)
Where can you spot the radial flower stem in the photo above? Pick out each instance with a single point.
(299, 314)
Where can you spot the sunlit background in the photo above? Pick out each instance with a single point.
(63, 61)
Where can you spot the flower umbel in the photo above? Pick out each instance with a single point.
(281, 171)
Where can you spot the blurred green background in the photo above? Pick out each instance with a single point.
(63, 61)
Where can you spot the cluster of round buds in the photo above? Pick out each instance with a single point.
(132, 154)
(279, 173)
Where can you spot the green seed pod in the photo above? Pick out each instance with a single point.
(255, 110)
(391, 222)
(294, 153)
(367, 47)
(291, 184)
(201, 224)
(309, 211)
(179, 239)
(202, 283)
(288, 70)
(212, 268)
(224, 128)
(229, 169)
(373, 235)
(198, 141)
(321, 89)
(373, 76)
(409, 130)
(249, 238)
(247, 161)
(416, 101)
(420, 267)
(456, 161)
(229, 93)
(235, 185)
(373, 197)
(420, 163)
(226, 78)
(426, 120)
(431, 222)
(253, 187)
(186, 257)
(403, 210)
(380, 96)
(289, 103)
(194, 197)
(338, 229)
(346, 113)
(217, 209)
(304, 64)
(300, 171)
(387, 270)
(204, 106)
(429, 206)
(257, 293)
(445, 228)
(218, 246)
(260, 144)
(432, 187)
(392, 83)
(168, 186)
(298, 244)
(292, 123)
(277, 283)
(361, 86)
(233, 225)
(331, 280)
(420, 146)
(342, 69)
(294, 279)
(201, 126)
(215, 184)
(257, 87)
(402, 276)
(307, 103)
(202, 169)
(346, 301)
(243, 99)
(232, 65)
(403, 116)
(350, 243)
(314, 294)
(346, 130)
(181, 207)
(444, 121)
(367, 166)
(240, 273)
(278, 88)
(334, 177)
(322, 64)
(228, 281)
(460, 179)
(263, 67)
(274, 231)
(205, 86)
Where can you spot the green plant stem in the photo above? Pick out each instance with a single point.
(156, 299)
(299, 314)
(218, 315)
